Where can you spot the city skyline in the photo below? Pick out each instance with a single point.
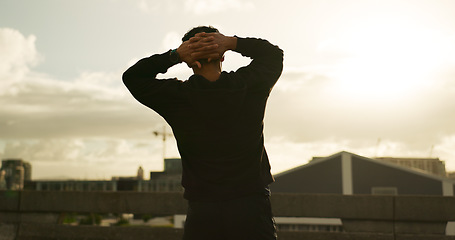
(374, 78)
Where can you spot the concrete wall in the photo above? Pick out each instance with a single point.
(38, 215)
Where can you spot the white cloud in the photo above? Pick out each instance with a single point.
(85, 121)
(17, 53)
(107, 85)
(35, 105)
(75, 157)
(215, 6)
(93, 121)
(198, 7)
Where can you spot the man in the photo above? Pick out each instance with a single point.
(217, 120)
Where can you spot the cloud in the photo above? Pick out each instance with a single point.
(18, 54)
(35, 105)
(75, 157)
(214, 6)
(17, 51)
(44, 108)
(305, 107)
(198, 7)
(81, 150)
(91, 119)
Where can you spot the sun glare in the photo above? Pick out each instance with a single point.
(388, 58)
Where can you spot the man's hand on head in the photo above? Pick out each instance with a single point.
(212, 46)
(191, 51)
(185, 52)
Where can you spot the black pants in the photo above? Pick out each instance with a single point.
(248, 218)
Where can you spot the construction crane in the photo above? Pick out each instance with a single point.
(163, 134)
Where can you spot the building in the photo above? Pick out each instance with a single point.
(71, 185)
(13, 173)
(168, 180)
(2, 180)
(140, 173)
(347, 173)
(430, 165)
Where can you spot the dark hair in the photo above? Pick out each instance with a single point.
(196, 30)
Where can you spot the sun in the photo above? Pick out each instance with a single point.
(388, 58)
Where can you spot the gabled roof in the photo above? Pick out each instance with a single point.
(316, 161)
(392, 165)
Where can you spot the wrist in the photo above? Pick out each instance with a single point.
(232, 43)
(174, 56)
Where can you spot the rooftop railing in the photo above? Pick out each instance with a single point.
(27, 215)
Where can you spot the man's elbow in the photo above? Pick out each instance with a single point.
(126, 77)
(278, 59)
(280, 54)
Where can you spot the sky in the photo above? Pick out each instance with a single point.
(375, 78)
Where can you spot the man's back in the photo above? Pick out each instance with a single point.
(218, 125)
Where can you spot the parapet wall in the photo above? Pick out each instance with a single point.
(38, 215)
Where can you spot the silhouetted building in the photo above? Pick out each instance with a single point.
(168, 180)
(2, 179)
(140, 173)
(430, 165)
(71, 185)
(14, 172)
(347, 173)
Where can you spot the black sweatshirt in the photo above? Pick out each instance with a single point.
(218, 125)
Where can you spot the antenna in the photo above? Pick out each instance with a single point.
(431, 151)
(376, 148)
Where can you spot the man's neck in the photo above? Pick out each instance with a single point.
(209, 71)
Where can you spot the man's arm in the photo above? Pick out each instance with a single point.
(141, 79)
(267, 64)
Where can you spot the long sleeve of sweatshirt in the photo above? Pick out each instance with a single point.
(264, 70)
(218, 125)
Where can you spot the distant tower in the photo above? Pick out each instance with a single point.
(2, 179)
(140, 173)
(15, 172)
(27, 171)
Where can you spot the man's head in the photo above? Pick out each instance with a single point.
(191, 33)
(197, 30)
